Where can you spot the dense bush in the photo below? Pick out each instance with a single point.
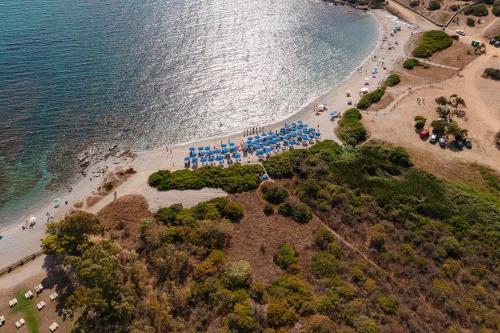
(370, 98)
(350, 129)
(431, 42)
(410, 63)
(492, 73)
(296, 210)
(286, 256)
(274, 193)
(233, 211)
(234, 179)
(392, 80)
(476, 10)
(420, 122)
(238, 275)
(454, 7)
(280, 314)
(496, 8)
(322, 237)
(433, 5)
(268, 210)
(470, 22)
(324, 264)
(414, 3)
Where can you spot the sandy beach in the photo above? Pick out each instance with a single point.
(17, 243)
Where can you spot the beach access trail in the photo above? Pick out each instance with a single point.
(17, 243)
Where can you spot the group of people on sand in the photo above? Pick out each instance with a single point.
(253, 130)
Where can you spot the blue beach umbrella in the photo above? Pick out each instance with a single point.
(311, 129)
(225, 150)
(207, 147)
(211, 159)
(220, 157)
(257, 137)
(268, 150)
(318, 134)
(223, 145)
(191, 148)
(311, 136)
(233, 149)
(201, 148)
(250, 138)
(218, 151)
(195, 159)
(186, 158)
(259, 152)
(203, 159)
(231, 144)
(237, 156)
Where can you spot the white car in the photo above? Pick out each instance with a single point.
(460, 32)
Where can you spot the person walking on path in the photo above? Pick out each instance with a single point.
(114, 195)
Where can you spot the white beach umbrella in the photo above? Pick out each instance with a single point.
(364, 90)
(32, 219)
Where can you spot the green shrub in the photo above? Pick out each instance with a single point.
(282, 165)
(268, 210)
(414, 3)
(364, 324)
(322, 237)
(296, 210)
(350, 129)
(433, 5)
(242, 319)
(274, 193)
(431, 42)
(233, 211)
(496, 9)
(392, 80)
(410, 63)
(492, 73)
(441, 100)
(420, 122)
(476, 10)
(280, 314)
(319, 324)
(238, 275)
(286, 256)
(387, 303)
(324, 264)
(454, 8)
(370, 98)
(234, 179)
(470, 22)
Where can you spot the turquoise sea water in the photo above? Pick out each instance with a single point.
(75, 73)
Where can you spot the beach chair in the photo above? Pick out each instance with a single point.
(2, 320)
(13, 302)
(53, 327)
(20, 323)
(53, 296)
(40, 305)
(39, 288)
(28, 294)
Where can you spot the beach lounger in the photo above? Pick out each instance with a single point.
(28, 294)
(20, 323)
(53, 296)
(2, 320)
(40, 305)
(39, 288)
(13, 302)
(53, 327)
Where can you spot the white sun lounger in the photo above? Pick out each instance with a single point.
(28, 294)
(39, 288)
(53, 327)
(40, 305)
(2, 320)
(13, 302)
(20, 323)
(53, 296)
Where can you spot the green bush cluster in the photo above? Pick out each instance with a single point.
(492, 73)
(392, 80)
(350, 129)
(496, 8)
(234, 179)
(476, 10)
(420, 122)
(296, 210)
(470, 22)
(433, 5)
(370, 98)
(431, 42)
(274, 193)
(411, 63)
(286, 257)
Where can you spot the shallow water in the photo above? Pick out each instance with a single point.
(141, 74)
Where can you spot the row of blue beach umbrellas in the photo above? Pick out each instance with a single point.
(289, 135)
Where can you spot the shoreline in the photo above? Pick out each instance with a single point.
(17, 244)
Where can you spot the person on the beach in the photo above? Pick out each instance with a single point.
(114, 195)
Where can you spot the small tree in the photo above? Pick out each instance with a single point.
(420, 122)
(438, 127)
(286, 256)
(443, 112)
(441, 100)
(470, 22)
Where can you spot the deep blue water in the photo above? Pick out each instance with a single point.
(75, 73)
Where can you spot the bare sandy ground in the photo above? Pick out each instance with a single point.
(17, 243)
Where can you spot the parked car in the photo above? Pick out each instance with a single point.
(442, 141)
(493, 41)
(468, 143)
(458, 144)
(433, 139)
(349, 102)
(497, 43)
(424, 134)
(460, 32)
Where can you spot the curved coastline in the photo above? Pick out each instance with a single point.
(82, 187)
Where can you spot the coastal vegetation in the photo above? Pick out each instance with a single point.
(433, 5)
(492, 73)
(411, 63)
(392, 80)
(431, 42)
(234, 179)
(431, 245)
(350, 128)
(476, 10)
(370, 98)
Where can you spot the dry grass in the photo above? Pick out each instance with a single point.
(122, 218)
(257, 238)
(458, 55)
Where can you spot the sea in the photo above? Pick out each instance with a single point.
(76, 74)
